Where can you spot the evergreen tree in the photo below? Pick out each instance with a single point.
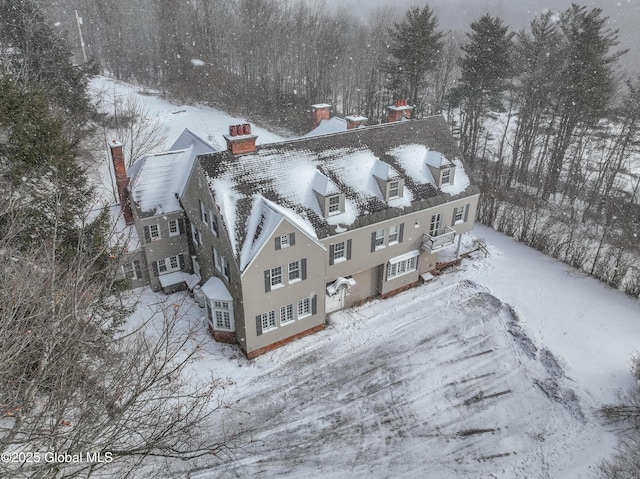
(40, 168)
(39, 57)
(416, 45)
(537, 62)
(485, 67)
(587, 82)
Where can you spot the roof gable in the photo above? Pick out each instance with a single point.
(159, 180)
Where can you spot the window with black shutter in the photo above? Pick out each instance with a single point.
(267, 280)
(259, 325)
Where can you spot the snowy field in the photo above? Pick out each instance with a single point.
(494, 370)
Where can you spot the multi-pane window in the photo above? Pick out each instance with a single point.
(129, 271)
(227, 269)
(446, 176)
(218, 260)
(222, 313)
(174, 229)
(294, 271)
(398, 268)
(334, 204)
(434, 226)
(276, 276)
(304, 308)
(214, 223)
(286, 314)
(204, 216)
(268, 320)
(339, 251)
(284, 241)
(196, 265)
(162, 265)
(166, 265)
(154, 232)
(394, 232)
(394, 189)
(196, 235)
(379, 239)
(458, 214)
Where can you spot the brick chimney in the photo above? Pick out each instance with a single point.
(319, 112)
(117, 157)
(398, 111)
(355, 121)
(240, 140)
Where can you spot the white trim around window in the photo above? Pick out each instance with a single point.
(132, 270)
(168, 265)
(459, 214)
(304, 308)
(174, 228)
(223, 315)
(286, 314)
(446, 176)
(403, 264)
(154, 232)
(268, 321)
(276, 277)
(394, 234)
(334, 206)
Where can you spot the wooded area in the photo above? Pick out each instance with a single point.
(546, 121)
(547, 124)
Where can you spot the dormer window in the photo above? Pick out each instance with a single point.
(330, 199)
(334, 205)
(446, 176)
(394, 189)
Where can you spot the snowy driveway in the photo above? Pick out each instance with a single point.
(440, 381)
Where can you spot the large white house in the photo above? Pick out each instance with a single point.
(279, 235)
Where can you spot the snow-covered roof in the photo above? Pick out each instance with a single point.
(158, 180)
(261, 223)
(327, 127)
(290, 174)
(178, 277)
(214, 288)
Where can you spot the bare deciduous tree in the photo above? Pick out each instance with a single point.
(79, 378)
(136, 128)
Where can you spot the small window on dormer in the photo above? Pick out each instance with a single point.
(394, 189)
(284, 241)
(446, 177)
(334, 205)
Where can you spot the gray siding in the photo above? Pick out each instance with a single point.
(196, 192)
(261, 298)
(365, 257)
(165, 245)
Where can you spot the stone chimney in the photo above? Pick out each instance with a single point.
(354, 121)
(319, 112)
(240, 140)
(398, 111)
(117, 157)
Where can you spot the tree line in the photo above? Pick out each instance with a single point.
(547, 126)
(546, 122)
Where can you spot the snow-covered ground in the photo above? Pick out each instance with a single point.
(208, 123)
(494, 369)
